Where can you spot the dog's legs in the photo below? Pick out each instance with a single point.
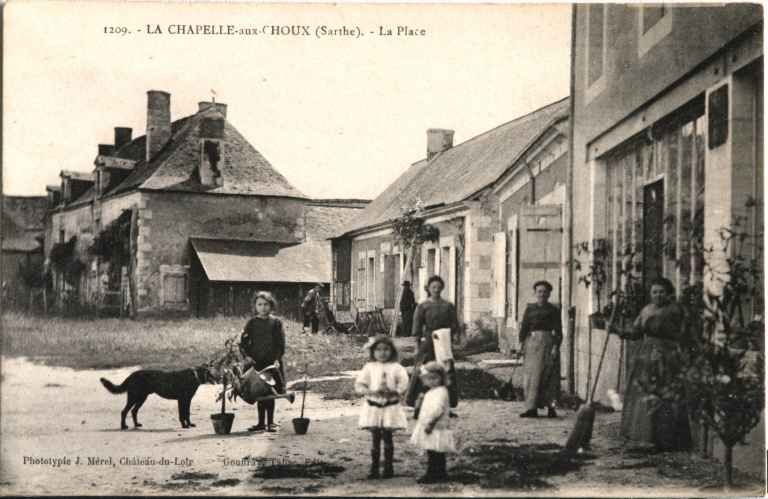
(187, 404)
(135, 411)
(182, 417)
(129, 403)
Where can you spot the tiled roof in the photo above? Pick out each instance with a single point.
(461, 171)
(244, 170)
(324, 221)
(254, 261)
(26, 212)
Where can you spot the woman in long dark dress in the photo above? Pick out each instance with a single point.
(541, 333)
(654, 402)
(431, 314)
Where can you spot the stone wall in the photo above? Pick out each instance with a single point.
(168, 220)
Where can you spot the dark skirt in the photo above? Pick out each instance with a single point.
(654, 402)
(415, 387)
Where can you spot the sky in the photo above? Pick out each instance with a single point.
(337, 116)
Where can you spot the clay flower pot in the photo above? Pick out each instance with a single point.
(222, 422)
(300, 425)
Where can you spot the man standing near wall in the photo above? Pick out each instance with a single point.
(407, 306)
(309, 308)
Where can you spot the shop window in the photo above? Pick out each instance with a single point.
(655, 208)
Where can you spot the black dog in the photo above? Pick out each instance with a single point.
(175, 385)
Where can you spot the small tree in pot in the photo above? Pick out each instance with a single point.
(226, 368)
(410, 231)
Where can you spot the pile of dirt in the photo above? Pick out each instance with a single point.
(504, 465)
(478, 384)
(304, 470)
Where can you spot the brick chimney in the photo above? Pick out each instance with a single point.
(123, 135)
(220, 107)
(211, 145)
(158, 121)
(438, 140)
(106, 149)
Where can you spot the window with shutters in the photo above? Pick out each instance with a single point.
(174, 288)
(371, 281)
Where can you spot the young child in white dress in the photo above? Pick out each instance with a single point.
(432, 432)
(383, 382)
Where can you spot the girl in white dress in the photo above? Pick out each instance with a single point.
(383, 382)
(432, 432)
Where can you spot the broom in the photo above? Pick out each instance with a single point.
(585, 418)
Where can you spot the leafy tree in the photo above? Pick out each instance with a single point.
(724, 378)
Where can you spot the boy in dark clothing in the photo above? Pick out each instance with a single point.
(263, 343)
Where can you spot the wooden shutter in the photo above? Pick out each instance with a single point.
(512, 289)
(540, 251)
(174, 288)
(499, 273)
(390, 267)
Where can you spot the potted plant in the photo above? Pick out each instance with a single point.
(595, 276)
(301, 424)
(225, 366)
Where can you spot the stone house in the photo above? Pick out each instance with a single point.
(23, 219)
(458, 190)
(667, 121)
(197, 192)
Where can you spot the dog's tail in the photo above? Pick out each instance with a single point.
(111, 387)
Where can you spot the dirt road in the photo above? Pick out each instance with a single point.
(55, 419)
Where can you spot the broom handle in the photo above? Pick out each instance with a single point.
(602, 354)
(303, 397)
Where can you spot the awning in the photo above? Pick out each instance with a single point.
(256, 261)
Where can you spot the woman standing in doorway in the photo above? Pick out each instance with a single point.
(541, 334)
(654, 405)
(431, 314)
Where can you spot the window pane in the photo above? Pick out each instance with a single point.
(686, 206)
(671, 219)
(698, 215)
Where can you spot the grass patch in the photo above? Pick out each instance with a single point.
(164, 343)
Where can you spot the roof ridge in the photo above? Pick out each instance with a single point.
(506, 123)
